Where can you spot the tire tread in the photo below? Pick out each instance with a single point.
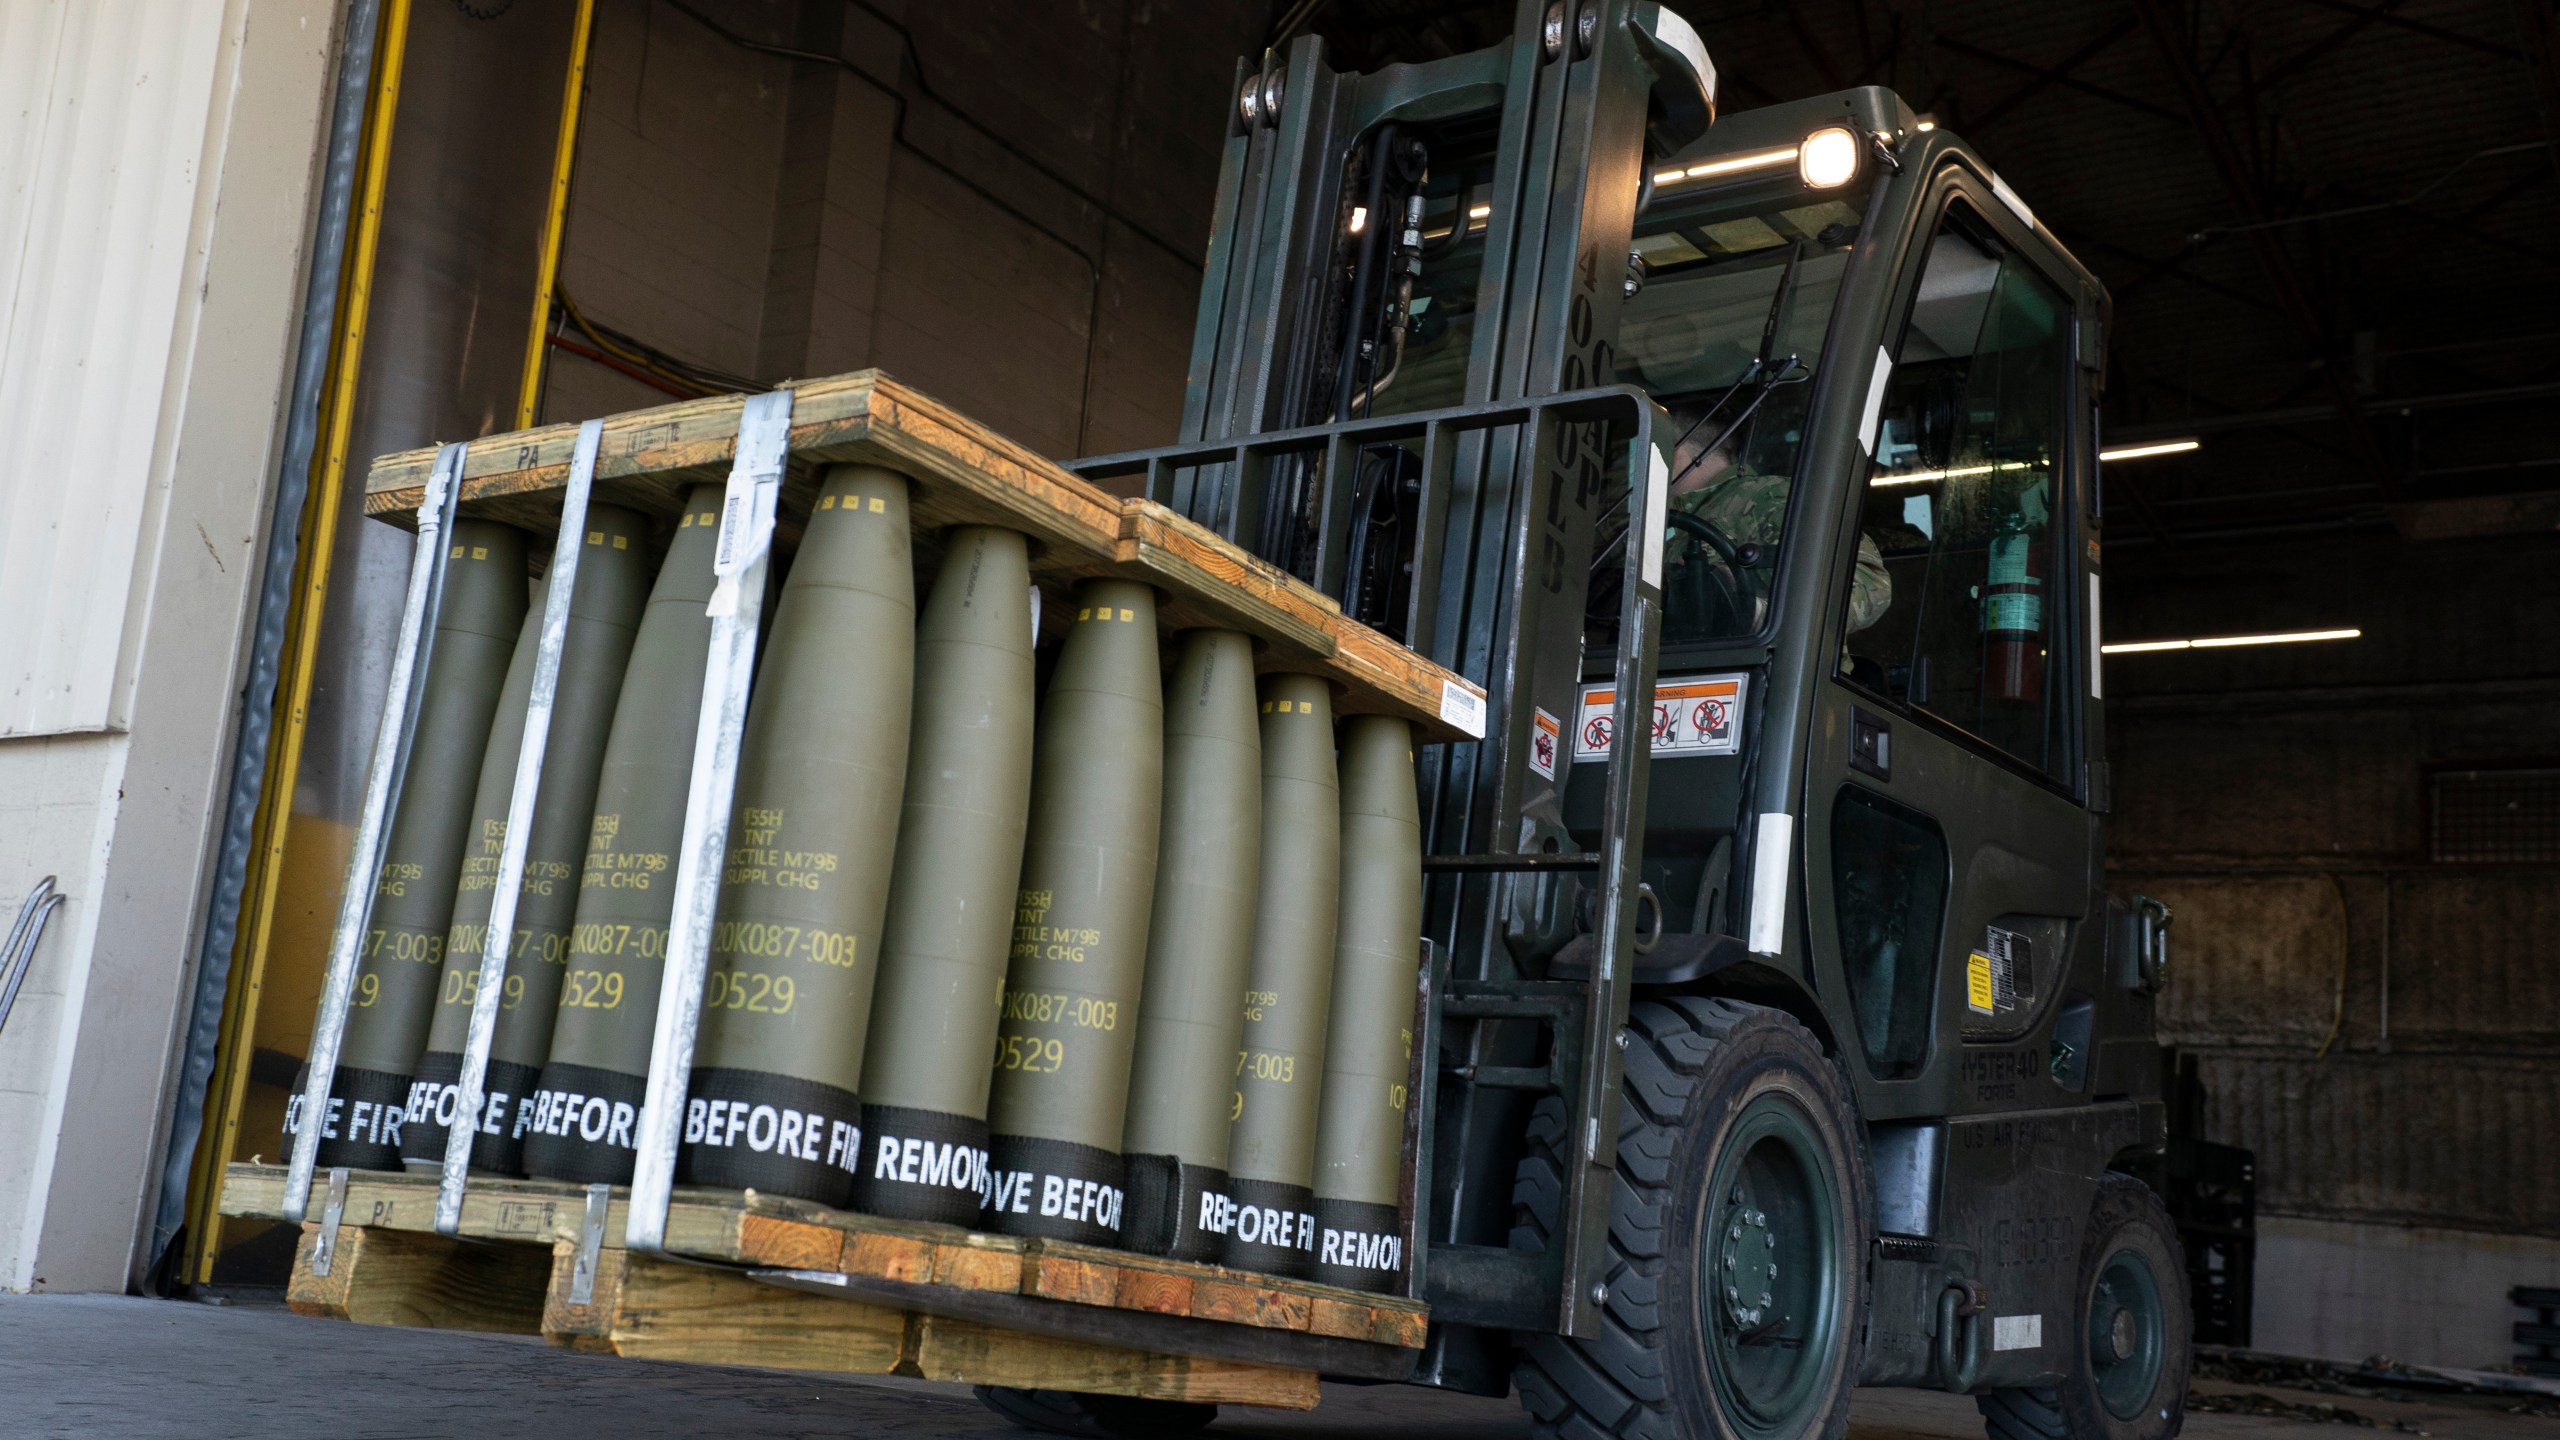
(1617, 1385)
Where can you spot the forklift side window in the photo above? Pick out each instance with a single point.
(1954, 600)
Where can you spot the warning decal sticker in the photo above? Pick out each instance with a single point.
(1543, 739)
(2005, 952)
(1692, 715)
(1977, 983)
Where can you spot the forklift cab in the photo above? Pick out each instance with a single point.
(1882, 394)
(1876, 796)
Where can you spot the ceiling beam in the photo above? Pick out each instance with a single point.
(2317, 49)
(2168, 267)
(1815, 51)
(2539, 26)
(2296, 296)
(2417, 27)
(2315, 414)
(1976, 124)
(2053, 76)
(2458, 226)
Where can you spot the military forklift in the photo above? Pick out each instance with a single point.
(1786, 1039)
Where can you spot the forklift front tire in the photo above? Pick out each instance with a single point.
(1736, 1275)
(2128, 1377)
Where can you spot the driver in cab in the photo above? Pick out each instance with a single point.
(1750, 508)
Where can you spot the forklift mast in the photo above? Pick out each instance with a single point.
(1460, 513)
(1466, 529)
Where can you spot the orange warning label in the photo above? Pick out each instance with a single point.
(1692, 715)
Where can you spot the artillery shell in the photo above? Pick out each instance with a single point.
(478, 611)
(1198, 949)
(604, 614)
(1289, 997)
(1369, 1044)
(1062, 1054)
(582, 1112)
(951, 896)
(775, 1102)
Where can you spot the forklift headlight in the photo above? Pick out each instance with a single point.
(1828, 159)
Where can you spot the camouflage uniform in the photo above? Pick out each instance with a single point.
(1750, 507)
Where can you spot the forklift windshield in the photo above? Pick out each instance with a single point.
(1727, 333)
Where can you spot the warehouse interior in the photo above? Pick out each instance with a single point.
(2326, 231)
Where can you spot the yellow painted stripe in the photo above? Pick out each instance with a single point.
(555, 223)
(284, 756)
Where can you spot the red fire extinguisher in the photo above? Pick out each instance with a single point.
(2013, 615)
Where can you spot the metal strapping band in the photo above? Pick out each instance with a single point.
(755, 482)
(409, 657)
(471, 1085)
(324, 1246)
(582, 1274)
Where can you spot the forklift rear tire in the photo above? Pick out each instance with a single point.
(1098, 1417)
(2129, 1349)
(1738, 1161)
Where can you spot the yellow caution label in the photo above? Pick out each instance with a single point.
(1977, 982)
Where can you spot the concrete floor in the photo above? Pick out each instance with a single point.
(109, 1366)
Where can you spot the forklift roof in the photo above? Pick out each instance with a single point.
(1868, 110)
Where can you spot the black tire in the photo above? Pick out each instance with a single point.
(1700, 1073)
(1097, 1417)
(2128, 1382)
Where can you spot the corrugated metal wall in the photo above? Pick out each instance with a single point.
(101, 122)
(2277, 799)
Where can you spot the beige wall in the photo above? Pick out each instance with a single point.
(155, 380)
(1035, 264)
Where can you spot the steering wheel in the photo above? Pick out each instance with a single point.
(1713, 588)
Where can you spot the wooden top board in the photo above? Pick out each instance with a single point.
(770, 1231)
(965, 474)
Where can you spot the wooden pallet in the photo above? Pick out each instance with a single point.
(964, 474)
(757, 1279)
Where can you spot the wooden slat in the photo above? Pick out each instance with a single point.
(965, 474)
(1208, 581)
(967, 1353)
(771, 1231)
(665, 1310)
(648, 458)
(652, 1309)
(1053, 1276)
(394, 1277)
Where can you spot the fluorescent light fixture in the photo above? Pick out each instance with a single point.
(1828, 159)
(1479, 212)
(1359, 218)
(2225, 642)
(1665, 177)
(2163, 447)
